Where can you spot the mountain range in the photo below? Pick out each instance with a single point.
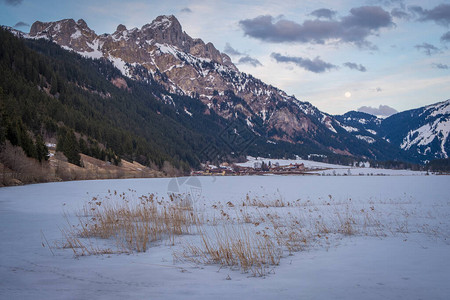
(160, 54)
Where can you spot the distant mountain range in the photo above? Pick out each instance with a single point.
(162, 54)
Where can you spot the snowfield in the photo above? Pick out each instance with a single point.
(401, 252)
(326, 169)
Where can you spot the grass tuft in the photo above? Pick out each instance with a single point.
(133, 225)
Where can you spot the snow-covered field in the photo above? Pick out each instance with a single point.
(404, 253)
(331, 169)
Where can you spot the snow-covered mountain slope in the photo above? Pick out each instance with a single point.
(423, 132)
(362, 125)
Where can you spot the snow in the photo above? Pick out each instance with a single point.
(368, 139)
(321, 168)
(37, 37)
(441, 108)
(164, 23)
(372, 131)
(285, 162)
(167, 49)
(188, 58)
(95, 46)
(437, 130)
(120, 64)
(96, 53)
(425, 134)
(263, 112)
(329, 126)
(349, 128)
(76, 35)
(174, 66)
(414, 264)
(167, 99)
(187, 112)
(66, 48)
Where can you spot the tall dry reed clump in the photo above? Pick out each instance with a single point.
(234, 246)
(133, 225)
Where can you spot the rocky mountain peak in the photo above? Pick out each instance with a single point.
(164, 23)
(36, 28)
(121, 28)
(82, 24)
(49, 28)
(67, 33)
(167, 30)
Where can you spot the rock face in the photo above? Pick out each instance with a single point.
(163, 52)
(68, 33)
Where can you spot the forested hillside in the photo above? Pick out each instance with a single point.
(49, 92)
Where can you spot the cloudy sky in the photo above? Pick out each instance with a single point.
(339, 55)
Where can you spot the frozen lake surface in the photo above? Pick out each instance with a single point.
(411, 261)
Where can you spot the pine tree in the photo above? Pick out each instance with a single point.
(54, 85)
(67, 144)
(41, 149)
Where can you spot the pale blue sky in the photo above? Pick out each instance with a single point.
(372, 52)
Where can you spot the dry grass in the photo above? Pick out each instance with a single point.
(265, 202)
(16, 168)
(83, 248)
(97, 169)
(133, 225)
(234, 246)
(265, 229)
(255, 240)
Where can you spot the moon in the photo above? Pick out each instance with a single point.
(347, 94)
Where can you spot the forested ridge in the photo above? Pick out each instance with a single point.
(47, 91)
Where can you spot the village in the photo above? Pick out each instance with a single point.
(259, 168)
